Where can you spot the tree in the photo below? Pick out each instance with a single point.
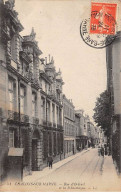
(102, 112)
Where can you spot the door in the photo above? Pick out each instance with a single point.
(34, 154)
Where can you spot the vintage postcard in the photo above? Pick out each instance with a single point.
(60, 95)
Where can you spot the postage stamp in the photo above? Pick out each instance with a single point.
(103, 18)
(99, 30)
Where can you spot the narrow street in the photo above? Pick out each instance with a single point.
(84, 173)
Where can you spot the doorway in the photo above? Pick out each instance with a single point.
(34, 154)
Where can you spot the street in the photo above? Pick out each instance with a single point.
(84, 173)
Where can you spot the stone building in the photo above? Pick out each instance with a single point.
(78, 131)
(83, 131)
(113, 60)
(69, 127)
(31, 110)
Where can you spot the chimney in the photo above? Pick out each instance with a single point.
(45, 60)
(49, 58)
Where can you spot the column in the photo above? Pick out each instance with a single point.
(38, 108)
(17, 45)
(52, 135)
(39, 154)
(56, 115)
(30, 152)
(29, 100)
(51, 117)
(31, 64)
(37, 69)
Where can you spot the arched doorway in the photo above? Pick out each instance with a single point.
(35, 151)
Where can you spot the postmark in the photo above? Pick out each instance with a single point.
(98, 31)
(97, 41)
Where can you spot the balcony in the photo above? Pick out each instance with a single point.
(54, 125)
(49, 124)
(35, 121)
(13, 116)
(29, 76)
(24, 118)
(59, 126)
(44, 122)
(51, 95)
(58, 88)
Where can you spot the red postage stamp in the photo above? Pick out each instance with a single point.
(103, 18)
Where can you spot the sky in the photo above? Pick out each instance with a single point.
(57, 27)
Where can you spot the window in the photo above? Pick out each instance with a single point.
(11, 94)
(48, 111)
(43, 109)
(11, 138)
(22, 99)
(33, 104)
(53, 113)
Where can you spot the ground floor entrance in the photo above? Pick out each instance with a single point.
(34, 154)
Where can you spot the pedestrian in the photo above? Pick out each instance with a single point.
(99, 149)
(50, 161)
(102, 151)
(106, 149)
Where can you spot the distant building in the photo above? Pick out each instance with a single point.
(69, 127)
(82, 134)
(78, 132)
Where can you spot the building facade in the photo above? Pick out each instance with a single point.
(83, 131)
(113, 60)
(69, 127)
(31, 109)
(78, 132)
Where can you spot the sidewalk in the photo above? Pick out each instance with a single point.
(110, 179)
(36, 175)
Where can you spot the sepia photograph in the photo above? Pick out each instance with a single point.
(60, 95)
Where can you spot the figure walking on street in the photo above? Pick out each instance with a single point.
(102, 151)
(99, 150)
(50, 161)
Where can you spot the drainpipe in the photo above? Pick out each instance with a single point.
(19, 112)
(46, 125)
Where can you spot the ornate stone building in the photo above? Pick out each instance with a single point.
(31, 111)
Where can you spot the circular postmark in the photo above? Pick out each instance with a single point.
(94, 40)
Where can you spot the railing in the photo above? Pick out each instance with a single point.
(44, 122)
(59, 126)
(51, 94)
(54, 124)
(49, 124)
(29, 75)
(59, 88)
(24, 118)
(14, 116)
(35, 121)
